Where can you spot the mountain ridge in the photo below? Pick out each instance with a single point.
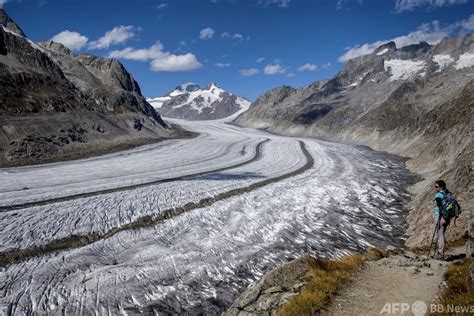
(192, 102)
(395, 100)
(56, 105)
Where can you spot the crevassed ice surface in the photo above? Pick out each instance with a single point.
(466, 60)
(404, 69)
(200, 261)
(216, 147)
(443, 61)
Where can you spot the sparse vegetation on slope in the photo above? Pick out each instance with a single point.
(324, 278)
(457, 293)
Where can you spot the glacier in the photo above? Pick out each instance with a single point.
(198, 261)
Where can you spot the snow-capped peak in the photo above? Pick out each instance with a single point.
(189, 86)
(191, 102)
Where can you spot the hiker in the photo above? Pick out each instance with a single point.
(441, 217)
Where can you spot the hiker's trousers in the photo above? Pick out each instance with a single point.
(441, 230)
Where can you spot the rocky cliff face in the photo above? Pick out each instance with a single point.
(191, 102)
(56, 105)
(415, 101)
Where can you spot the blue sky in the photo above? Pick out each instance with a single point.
(247, 47)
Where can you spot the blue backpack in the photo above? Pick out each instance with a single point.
(451, 207)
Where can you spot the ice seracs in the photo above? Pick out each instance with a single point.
(443, 61)
(404, 69)
(466, 60)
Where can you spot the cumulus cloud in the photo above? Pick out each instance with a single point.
(72, 40)
(249, 72)
(308, 67)
(274, 69)
(430, 33)
(144, 54)
(206, 33)
(2, 3)
(238, 36)
(160, 60)
(117, 35)
(222, 65)
(173, 63)
(410, 5)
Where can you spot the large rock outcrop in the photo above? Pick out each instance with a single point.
(271, 292)
(56, 105)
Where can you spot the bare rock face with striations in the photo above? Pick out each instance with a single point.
(58, 105)
(9, 24)
(103, 79)
(416, 101)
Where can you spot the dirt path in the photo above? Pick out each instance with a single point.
(390, 286)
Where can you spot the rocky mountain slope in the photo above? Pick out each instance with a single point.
(56, 105)
(191, 102)
(416, 101)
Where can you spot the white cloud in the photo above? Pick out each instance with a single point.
(206, 33)
(249, 72)
(259, 60)
(278, 3)
(238, 36)
(468, 24)
(160, 60)
(222, 65)
(72, 40)
(308, 67)
(144, 54)
(274, 69)
(327, 65)
(172, 63)
(430, 33)
(410, 5)
(291, 74)
(117, 35)
(2, 3)
(161, 6)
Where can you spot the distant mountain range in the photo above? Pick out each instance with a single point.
(190, 101)
(55, 104)
(416, 101)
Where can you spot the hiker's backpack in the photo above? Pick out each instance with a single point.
(452, 209)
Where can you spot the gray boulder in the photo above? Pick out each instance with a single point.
(273, 289)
